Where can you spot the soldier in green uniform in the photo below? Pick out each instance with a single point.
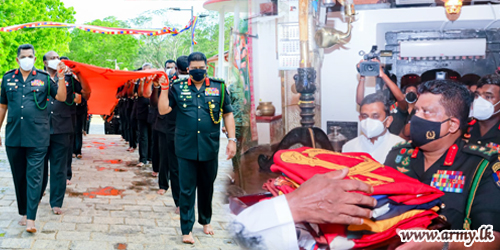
(484, 130)
(61, 130)
(24, 94)
(439, 157)
(201, 103)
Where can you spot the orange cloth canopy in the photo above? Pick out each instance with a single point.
(104, 83)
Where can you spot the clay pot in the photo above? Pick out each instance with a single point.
(265, 109)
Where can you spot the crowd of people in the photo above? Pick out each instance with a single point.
(442, 132)
(47, 117)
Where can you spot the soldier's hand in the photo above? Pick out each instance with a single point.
(231, 150)
(163, 81)
(328, 199)
(61, 68)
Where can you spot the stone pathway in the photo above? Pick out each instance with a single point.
(111, 205)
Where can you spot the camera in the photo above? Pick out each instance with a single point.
(369, 68)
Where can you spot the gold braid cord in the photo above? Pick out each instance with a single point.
(364, 168)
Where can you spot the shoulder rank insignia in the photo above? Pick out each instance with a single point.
(220, 80)
(403, 144)
(448, 181)
(496, 173)
(485, 152)
(494, 146)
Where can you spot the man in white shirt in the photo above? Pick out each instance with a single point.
(375, 120)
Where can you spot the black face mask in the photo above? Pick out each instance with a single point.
(198, 74)
(423, 131)
(411, 97)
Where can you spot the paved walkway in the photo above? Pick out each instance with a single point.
(111, 205)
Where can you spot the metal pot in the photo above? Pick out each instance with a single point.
(265, 109)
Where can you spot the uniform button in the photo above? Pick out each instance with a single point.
(22, 118)
(199, 107)
(199, 120)
(24, 86)
(52, 112)
(198, 132)
(22, 107)
(478, 142)
(51, 102)
(198, 95)
(23, 96)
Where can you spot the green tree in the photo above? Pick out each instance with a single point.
(97, 49)
(157, 49)
(14, 12)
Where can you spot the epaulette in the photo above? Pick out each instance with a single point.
(219, 80)
(180, 80)
(42, 72)
(10, 71)
(483, 151)
(403, 144)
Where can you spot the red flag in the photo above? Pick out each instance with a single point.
(104, 83)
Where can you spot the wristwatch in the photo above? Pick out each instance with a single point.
(233, 139)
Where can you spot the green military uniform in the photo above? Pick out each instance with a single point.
(491, 139)
(453, 174)
(197, 135)
(61, 145)
(27, 133)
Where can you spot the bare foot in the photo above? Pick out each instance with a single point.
(30, 226)
(22, 222)
(79, 156)
(178, 210)
(207, 229)
(161, 191)
(140, 165)
(68, 182)
(57, 210)
(188, 239)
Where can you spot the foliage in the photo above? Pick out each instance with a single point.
(14, 12)
(97, 49)
(161, 48)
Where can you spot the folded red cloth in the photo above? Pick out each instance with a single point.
(298, 165)
(301, 164)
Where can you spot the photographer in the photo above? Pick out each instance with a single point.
(392, 87)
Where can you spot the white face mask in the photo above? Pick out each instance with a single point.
(169, 72)
(372, 127)
(53, 64)
(27, 63)
(483, 109)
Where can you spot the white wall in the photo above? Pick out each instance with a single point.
(339, 75)
(266, 79)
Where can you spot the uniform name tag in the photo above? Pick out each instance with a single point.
(37, 83)
(211, 92)
(448, 181)
(185, 93)
(11, 84)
